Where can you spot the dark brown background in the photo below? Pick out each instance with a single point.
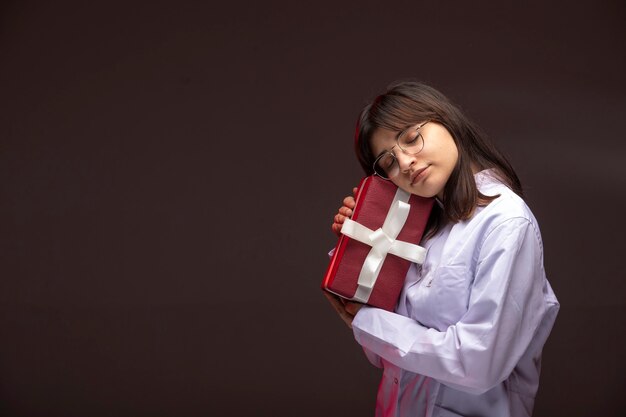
(169, 172)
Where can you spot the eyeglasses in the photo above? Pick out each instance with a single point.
(410, 141)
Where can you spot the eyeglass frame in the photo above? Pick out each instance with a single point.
(401, 148)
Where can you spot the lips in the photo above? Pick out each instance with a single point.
(418, 174)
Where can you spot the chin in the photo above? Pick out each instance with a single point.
(426, 192)
(421, 190)
(416, 191)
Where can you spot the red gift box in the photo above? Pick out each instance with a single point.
(378, 244)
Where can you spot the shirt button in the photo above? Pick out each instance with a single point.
(395, 380)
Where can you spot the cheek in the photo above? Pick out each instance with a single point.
(453, 151)
(453, 159)
(398, 181)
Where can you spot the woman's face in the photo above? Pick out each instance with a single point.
(426, 173)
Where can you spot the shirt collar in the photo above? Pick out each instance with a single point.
(486, 177)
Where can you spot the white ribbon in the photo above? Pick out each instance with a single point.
(383, 241)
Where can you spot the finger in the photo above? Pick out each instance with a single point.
(333, 301)
(336, 303)
(349, 202)
(338, 306)
(349, 307)
(337, 228)
(339, 219)
(345, 211)
(355, 190)
(353, 308)
(346, 317)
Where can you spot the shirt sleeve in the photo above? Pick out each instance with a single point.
(506, 306)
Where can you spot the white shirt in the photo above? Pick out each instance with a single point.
(467, 333)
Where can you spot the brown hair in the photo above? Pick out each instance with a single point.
(407, 103)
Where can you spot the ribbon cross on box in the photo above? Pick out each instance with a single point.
(378, 244)
(383, 241)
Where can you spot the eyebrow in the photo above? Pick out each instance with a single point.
(397, 137)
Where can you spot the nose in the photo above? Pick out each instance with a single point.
(405, 161)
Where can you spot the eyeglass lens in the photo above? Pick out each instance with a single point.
(387, 166)
(410, 142)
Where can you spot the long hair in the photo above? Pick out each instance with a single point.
(407, 103)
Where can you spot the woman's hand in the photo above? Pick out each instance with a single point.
(346, 309)
(344, 212)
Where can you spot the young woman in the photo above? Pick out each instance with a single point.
(468, 330)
